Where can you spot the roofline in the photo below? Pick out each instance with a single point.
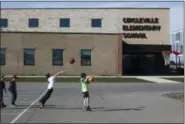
(84, 8)
(58, 32)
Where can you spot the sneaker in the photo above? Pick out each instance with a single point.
(13, 105)
(41, 106)
(3, 105)
(84, 107)
(88, 108)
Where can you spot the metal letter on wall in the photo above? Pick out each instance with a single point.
(138, 26)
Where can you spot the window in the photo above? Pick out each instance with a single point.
(29, 56)
(2, 56)
(178, 36)
(181, 49)
(3, 23)
(64, 22)
(173, 38)
(57, 57)
(85, 57)
(95, 22)
(181, 41)
(33, 23)
(177, 46)
(172, 47)
(173, 42)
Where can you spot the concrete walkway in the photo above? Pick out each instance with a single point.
(156, 79)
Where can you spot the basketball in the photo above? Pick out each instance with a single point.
(71, 60)
(90, 78)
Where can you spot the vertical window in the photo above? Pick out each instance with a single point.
(181, 49)
(2, 56)
(33, 22)
(57, 57)
(172, 47)
(173, 38)
(85, 57)
(173, 42)
(29, 56)
(96, 23)
(177, 46)
(178, 37)
(65, 22)
(3, 23)
(181, 34)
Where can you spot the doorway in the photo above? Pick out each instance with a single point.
(138, 64)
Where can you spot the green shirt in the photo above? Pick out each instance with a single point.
(84, 85)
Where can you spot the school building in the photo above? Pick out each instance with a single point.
(103, 41)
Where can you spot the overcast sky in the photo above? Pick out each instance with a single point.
(176, 8)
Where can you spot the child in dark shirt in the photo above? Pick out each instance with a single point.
(13, 90)
(2, 87)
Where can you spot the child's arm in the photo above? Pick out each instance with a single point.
(86, 80)
(58, 73)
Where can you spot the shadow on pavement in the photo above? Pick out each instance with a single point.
(70, 108)
(123, 109)
(95, 108)
(59, 107)
(26, 106)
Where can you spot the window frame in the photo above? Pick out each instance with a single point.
(96, 19)
(33, 19)
(64, 26)
(24, 59)
(82, 57)
(62, 59)
(2, 23)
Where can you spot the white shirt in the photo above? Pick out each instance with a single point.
(51, 81)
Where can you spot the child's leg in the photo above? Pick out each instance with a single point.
(87, 102)
(84, 100)
(87, 99)
(15, 95)
(13, 98)
(47, 96)
(88, 108)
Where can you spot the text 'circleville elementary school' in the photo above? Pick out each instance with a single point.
(140, 27)
(103, 41)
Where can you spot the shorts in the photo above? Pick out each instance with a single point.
(85, 94)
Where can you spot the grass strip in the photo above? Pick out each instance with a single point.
(176, 79)
(177, 96)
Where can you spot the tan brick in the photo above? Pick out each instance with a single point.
(104, 52)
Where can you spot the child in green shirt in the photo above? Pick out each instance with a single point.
(85, 90)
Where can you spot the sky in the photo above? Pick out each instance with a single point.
(176, 8)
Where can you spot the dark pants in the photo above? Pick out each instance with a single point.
(85, 94)
(14, 97)
(1, 98)
(46, 96)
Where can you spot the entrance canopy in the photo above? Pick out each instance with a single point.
(130, 48)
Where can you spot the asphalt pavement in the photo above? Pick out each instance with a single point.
(110, 102)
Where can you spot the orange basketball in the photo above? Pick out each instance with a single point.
(91, 78)
(71, 60)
